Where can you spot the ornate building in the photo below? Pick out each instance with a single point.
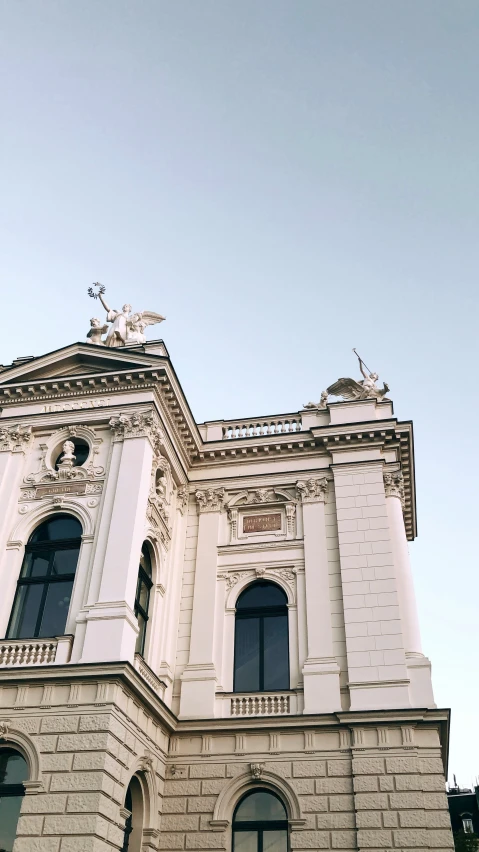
(210, 632)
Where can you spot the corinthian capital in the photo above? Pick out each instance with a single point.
(210, 499)
(15, 438)
(394, 485)
(313, 490)
(139, 424)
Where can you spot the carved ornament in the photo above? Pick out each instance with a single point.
(394, 485)
(5, 729)
(182, 496)
(141, 424)
(210, 499)
(313, 490)
(15, 439)
(256, 770)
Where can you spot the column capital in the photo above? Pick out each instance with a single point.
(210, 499)
(394, 485)
(313, 490)
(138, 424)
(15, 438)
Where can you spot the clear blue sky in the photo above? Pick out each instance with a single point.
(284, 179)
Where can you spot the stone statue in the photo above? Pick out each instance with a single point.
(68, 458)
(323, 402)
(125, 327)
(366, 389)
(96, 331)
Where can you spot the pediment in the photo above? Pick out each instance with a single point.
(77, 360)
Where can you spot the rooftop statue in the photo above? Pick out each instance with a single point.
(125, 327)
(323, 402)
(365, 389)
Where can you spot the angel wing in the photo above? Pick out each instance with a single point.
(150, 318)
(347, 388)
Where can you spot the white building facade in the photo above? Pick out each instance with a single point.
(210, 636)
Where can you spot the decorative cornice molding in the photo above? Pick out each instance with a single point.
(210, 499)
(313, 490)
(15, 439)
(394, 485)
(141, 424)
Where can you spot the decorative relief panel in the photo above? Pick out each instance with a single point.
(275, 514)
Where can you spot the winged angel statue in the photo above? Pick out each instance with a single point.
(365, 389)
(126, 327)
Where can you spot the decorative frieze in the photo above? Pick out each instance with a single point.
(15, 438)
(210, 499)
(313, 490)
(141, 424)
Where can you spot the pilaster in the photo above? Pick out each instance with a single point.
(418, 666)
(199, 677)
(378, 676)
(320, 670)
(111, 625)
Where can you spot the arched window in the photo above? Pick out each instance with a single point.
(46, 580)
(13, 772)
(142, 597)
(467, 824)
(134, 823)
(260, 824)
(261, 639)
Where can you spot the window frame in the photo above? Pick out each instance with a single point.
(262, 612)
(260, 826)
(143, 579)
(14, 791)
(51, 548)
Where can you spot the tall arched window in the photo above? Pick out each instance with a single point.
(261, 639)
(46, 580)
(13, 772)
(260, 824)
(142, 597)
(132, 840)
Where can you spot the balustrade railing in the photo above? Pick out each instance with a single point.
(276, 704)
(35, 652)
(265, 426)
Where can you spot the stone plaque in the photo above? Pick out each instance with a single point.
(262, 523)
(63, 488)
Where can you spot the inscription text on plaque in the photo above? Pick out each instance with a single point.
(262, 523)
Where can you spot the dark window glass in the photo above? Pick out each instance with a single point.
(260, 824)
(42, 599)
(13, 771)
(247, 669)
(142, 598)
(261, 639)
(57, 528)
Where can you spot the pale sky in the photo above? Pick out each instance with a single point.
(284, 179)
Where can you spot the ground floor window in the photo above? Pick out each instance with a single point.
(260, 824)
(13, 772)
